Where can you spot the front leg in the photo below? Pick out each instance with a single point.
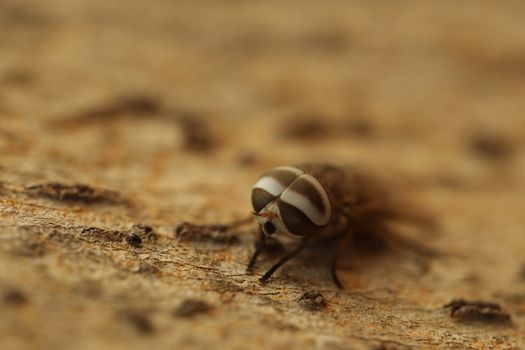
(260, 244)
(283, 260)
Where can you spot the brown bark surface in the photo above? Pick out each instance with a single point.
(119, 120)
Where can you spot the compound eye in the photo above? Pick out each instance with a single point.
(260, 199)
(296, 221)
(271, 185)
(308, 196)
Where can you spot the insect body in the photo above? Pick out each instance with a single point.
(295, 204)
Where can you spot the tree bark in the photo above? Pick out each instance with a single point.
(120, 121)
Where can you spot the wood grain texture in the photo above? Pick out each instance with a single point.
(120, 120)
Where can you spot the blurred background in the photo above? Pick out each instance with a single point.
(433, 89)
(180, 105)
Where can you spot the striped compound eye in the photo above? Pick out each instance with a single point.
(292, 201)
(271, 185)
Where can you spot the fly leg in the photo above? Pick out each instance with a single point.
(260, 244)
(342, 245)
(283, 260)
